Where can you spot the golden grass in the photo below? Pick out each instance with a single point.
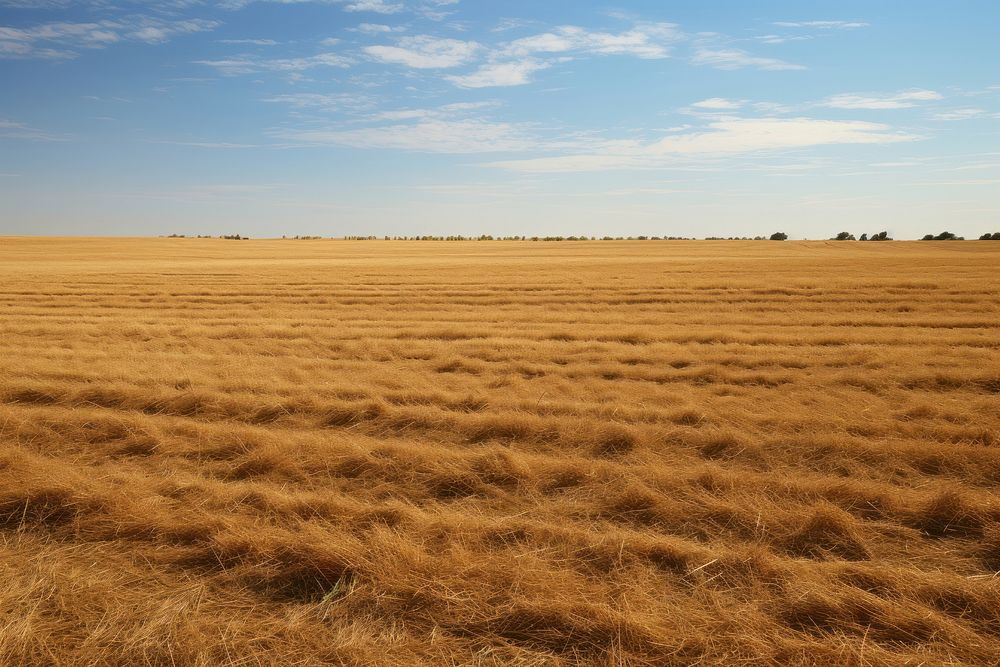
(331, 452)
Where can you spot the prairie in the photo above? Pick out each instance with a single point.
(223, 452)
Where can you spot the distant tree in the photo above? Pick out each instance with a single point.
(779, 236)
(995, 236)
(881, 236)
(864, 237)
(844, 236)
(943, 236)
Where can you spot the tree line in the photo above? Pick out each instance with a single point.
(776, 236)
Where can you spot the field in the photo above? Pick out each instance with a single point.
(399, 453)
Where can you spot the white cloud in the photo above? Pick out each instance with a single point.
(376, 6)
(425, 52)
(900, 100)
(513, 63)
(35, 4)
(404, 114)
(10, 129)
(454, 110)
(718, 104)
(645, 40)
(959, 114)
(731, 59)
(722, 137)
(512, 73)
(56, 40)
(376, 29)
(823, 25)
(250, 64)
(431, 9)
(425, 136)
(772, 107)
(255, 42)
(511, 24)
(754, 134)
(469, 106)
(298, 64)
(781, 39)
(896, 164)
(975, 181)
(323, 102)
(150, 35)
(544, 43)
(226, 145)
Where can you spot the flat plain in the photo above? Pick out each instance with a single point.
(219, 452)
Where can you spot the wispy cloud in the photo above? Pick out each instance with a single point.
(644, 40)
(10, 129)
(972, 181)
(718, 104)
(35, 4)
(959, 114)
(900, 100)
(823, 25)
(62, 39)
(733, 59)
(254, 42)
(428, 8)
(424, 136)
(210, 144)
(376, 6)
(512, 24)
(512, 63)
(511, 73)
(446, 111)
(433, 10)
(332, 102)
(425, 52)
(376, 29)
(781, 39)
(458, 128)
(722, 137)
(248, 64)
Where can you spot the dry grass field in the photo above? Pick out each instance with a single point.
(499, 453)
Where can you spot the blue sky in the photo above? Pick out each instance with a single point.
(332, 117)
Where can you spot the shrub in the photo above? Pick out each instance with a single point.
(995, 236)
(844, 236)
(943, 236)
(779, 236)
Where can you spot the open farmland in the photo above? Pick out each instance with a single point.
(398, 453)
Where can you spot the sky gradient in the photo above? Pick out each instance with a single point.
(406, 117)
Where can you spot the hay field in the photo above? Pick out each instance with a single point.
(416, 453)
